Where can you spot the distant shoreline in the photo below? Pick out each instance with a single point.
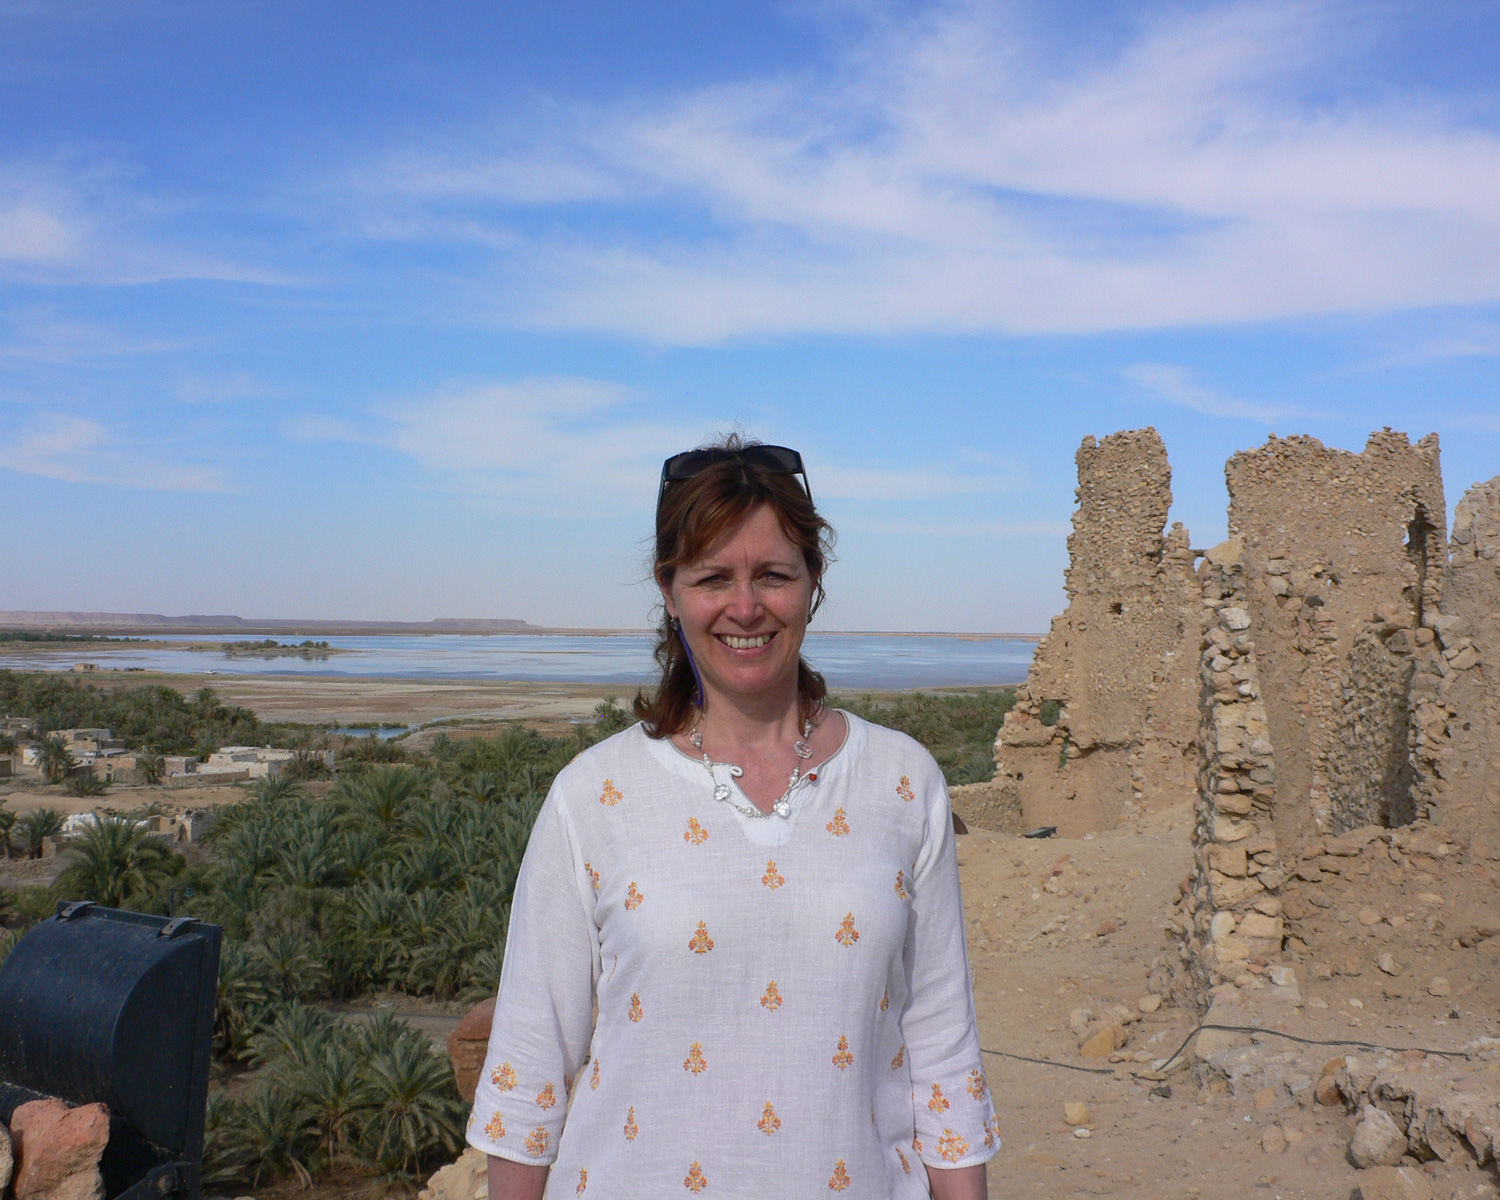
(115, 624)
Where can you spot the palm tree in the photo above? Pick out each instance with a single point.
(243, 997)
(283, 787)
(413, 1107)
(115, 861)
(56, 762)
(152, 766)
(36, 827)
(7, 823)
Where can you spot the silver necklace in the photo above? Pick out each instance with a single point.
(723, 792)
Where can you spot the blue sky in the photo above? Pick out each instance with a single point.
(391, 311)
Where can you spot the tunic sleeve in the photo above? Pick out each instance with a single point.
(955, 1120)
(544, 1013)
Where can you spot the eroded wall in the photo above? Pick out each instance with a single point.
(1117, 668)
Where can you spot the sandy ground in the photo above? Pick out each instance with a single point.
(1038, 954)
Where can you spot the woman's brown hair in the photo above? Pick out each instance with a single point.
(692, 518)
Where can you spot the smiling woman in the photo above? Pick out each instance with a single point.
(726, 907)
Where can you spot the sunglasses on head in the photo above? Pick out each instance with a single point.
(777, 460)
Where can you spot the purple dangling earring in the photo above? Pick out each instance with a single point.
(697, 678)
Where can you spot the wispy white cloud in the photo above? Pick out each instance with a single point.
(40, 335)
(572, 445)
(1178, 385)
(79, 450)
(953, 176)
(69, 221)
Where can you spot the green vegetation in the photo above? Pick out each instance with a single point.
(158, 717)
(271, 648)
(398, 879)
(957, 728)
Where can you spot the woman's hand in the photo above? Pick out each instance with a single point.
(956, 1183)
(519, 1181)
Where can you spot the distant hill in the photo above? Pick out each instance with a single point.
(102, 622)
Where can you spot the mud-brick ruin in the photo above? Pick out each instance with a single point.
(1323, 674)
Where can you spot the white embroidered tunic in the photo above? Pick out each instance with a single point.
(781, 1001)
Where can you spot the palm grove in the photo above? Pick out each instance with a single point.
(397, 878)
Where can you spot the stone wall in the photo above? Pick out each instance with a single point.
(1329, 539)
(1105, 721)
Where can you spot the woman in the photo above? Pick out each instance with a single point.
(759, 894)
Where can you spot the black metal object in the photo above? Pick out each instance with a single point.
(102, 1005)
(1044, 831)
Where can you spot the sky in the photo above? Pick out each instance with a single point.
(389, 311)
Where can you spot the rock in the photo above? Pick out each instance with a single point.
(1393, 1183)
(1326, 1091)
(1273, 1141)
(1076, 1112)
(1387, 963)
(7, 1158)
(1258, 925)
(57, 1150)
(1321, 970)
(1377, 1141)
(1466, 658)
(1149, 1004)
(1265, 1100)
(1106, 928)
(1368, 916)
(1228, 860)
(1081, 1132)
(1221, 926)
(1234, 618)
(1438, 986)
(1103, 1042)
(467, 1046)
(1079, 1020)
(458, 1180)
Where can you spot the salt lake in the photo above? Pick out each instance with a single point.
(846, 660)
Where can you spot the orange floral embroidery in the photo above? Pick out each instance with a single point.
(951, 1147)
(901, 886)
(847, 934)
(885, 999)
(900, 1060)
(631, 1128)
(695, 1181)
(772, 878)
(504, 1077)
(633, 896)
(695, 1062)
(583, 1181)
(536, 1141)
(903, 789)
(594, 1077)
(610, 795)
(989, 1137)
(839, 825)
(939, 1102)
(977, 1085)
(916, 1143)
(839, 1180)
(495, 1130)
(546, 1098)
(635, 1006)
(905, 1166)
(701, 943)
(771, 1000)
(696, 835)
(472, 1121)
(592, 874)
(769, 1122)
(842, 1058)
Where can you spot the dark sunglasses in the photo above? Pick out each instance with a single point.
(778, 460)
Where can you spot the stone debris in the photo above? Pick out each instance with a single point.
(7, 1158)
(1075, 1112)
(1377, 1141)
(57, 1150)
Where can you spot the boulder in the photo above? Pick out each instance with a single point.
(7, 1158)
(468, 1044)
(1394, 1183)
(57, 1150)
(1377, 1141)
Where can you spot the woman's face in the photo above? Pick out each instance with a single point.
(744, 607)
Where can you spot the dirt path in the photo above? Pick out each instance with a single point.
(1039, 951)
